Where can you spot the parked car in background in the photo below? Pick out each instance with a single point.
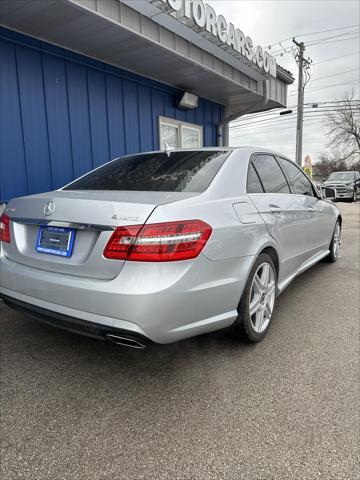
(346, 184)
(162, 246)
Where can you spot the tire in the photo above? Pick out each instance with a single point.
(335, 243)
(253, 327)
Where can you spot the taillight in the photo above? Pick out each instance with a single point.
(158, 242)
(4, 228)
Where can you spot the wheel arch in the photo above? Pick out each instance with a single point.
(273, 254)
(270, 249)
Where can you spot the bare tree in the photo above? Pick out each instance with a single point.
(344, 129)
(336, 161)
(340, 159)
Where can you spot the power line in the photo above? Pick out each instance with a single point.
(265, 121)
(328, 103)
(335, 58)
(320, 40)
(274, 114)
(334, 101)
(274, 130)
(326, 86)
(281, 53)
(278, 120)
(334, 75)
(332, 41)
(333, 85)
(308, 111)
(306, 105)
(317, 41)
(255, 116)
(274, 125)
(291, 50)
(313, 33)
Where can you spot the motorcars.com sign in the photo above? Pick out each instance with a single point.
(200, 15)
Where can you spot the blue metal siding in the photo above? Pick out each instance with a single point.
(63, 114)
(79, 118)
(58, 120)
(13, 172)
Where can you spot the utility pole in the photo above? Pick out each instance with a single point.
(300, 106)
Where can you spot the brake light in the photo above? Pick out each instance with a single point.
(158, 242)
(4, 228)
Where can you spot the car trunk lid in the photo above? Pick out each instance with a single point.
(92, 214)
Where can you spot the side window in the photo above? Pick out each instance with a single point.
(270, 174)
(253, 182)
(299, 182)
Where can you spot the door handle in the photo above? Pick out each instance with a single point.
(275, 208)
(311, 209)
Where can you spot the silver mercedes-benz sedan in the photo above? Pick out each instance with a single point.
(161, 246)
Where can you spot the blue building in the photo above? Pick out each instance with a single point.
(85, 81)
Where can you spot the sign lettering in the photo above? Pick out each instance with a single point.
(200, 15)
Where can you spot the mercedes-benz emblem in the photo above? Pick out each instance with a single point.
(49, 208)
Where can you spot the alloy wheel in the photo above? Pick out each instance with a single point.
(262, 297)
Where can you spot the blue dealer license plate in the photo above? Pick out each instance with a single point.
(55, 241)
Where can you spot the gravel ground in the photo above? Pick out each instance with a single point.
(206, 408)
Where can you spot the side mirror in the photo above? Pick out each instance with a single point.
(328, 193)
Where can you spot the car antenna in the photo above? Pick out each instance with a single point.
(168, 149)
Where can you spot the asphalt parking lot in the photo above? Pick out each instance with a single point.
(206, 408)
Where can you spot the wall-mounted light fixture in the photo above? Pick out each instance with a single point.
(188, 101)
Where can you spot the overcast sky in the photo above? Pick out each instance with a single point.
(269, 22)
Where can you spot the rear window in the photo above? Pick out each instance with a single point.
(342, 176)
(190, 171)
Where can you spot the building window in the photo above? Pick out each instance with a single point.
(178, 134)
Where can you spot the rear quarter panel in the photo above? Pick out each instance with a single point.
(231, 237)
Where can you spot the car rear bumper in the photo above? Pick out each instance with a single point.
(75, 325)
(162, 302)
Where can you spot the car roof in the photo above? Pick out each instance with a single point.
(244, 149)
(247, 149)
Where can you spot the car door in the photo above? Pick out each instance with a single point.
(313, 212)
(279, 208)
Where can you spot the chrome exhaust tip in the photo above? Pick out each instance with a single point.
(125, 341)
